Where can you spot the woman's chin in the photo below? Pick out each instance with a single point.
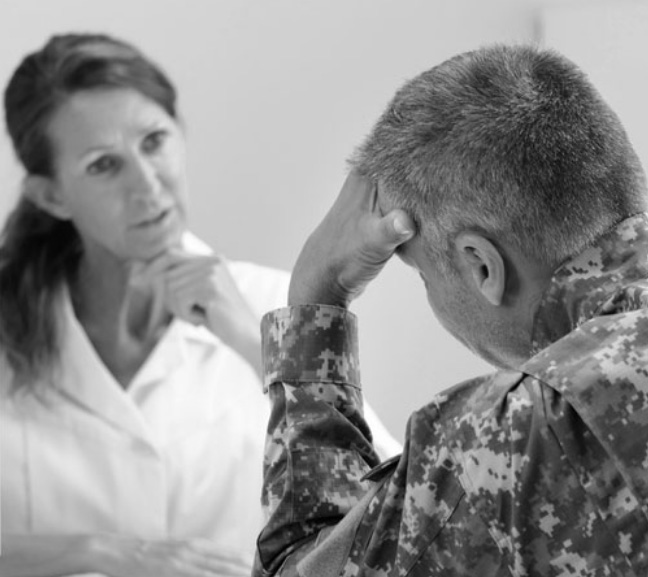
(152, 250)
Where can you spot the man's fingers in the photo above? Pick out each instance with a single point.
(403, 224)
(349, 247)
(394, 229)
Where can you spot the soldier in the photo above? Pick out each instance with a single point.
(509, 184)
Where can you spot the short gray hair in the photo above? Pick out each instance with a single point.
(510, 141)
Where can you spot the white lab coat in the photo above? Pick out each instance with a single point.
(176, 455)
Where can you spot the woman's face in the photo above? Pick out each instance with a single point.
(119, 162)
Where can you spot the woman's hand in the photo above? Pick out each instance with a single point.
(117, 556)
(200, 289)
(125, 557)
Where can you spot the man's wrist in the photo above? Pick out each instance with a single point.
(302, 292)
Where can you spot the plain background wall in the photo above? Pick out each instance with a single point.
(275, 95)
(611, 45)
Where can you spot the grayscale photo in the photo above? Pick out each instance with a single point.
(324, 288)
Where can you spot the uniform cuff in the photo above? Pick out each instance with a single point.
(310, 343)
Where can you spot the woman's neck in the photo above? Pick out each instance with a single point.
(123, 319)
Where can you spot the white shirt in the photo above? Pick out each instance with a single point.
(178, 454)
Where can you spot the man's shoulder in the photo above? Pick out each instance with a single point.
(600, 349)
(484, 423)
(516, 447)
(604, 350)
(484, 417)
(461, 447)
(477, 401)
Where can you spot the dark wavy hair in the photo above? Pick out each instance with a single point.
(39, 253)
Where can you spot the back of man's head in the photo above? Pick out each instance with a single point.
(510, 141)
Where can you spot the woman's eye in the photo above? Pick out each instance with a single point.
(102, 165)
(154, 140)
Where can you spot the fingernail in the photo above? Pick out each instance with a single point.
(401, 228)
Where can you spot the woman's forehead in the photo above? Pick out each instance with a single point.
(95, 118)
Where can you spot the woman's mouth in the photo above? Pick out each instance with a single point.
(155, 220)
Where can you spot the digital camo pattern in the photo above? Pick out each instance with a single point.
(310, 344)
(533, 473)
(319, 446)
(598, 281)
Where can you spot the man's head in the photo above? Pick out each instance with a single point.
(513, 146)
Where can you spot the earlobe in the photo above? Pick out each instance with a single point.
(42, 191)
(485, 265)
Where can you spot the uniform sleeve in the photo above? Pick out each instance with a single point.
(266, 289)
(319, 446)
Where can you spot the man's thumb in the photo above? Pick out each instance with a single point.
(397, 227)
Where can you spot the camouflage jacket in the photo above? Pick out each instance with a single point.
(532, 473)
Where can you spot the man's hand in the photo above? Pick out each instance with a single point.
(349, 247)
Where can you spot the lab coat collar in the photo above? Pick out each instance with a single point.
(85, 378)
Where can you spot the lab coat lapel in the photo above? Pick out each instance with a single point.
(87, 380)
(169, 354)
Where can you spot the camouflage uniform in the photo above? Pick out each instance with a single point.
(536, 473)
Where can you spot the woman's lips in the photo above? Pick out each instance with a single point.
(159, 218)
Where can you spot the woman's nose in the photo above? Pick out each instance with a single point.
(145, 182)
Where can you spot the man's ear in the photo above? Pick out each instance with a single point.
(43, 192)
(485, 265)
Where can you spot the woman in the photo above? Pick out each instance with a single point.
(132, 417)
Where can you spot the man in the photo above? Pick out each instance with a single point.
(503, 177)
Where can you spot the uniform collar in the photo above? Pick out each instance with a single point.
(607, 277)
